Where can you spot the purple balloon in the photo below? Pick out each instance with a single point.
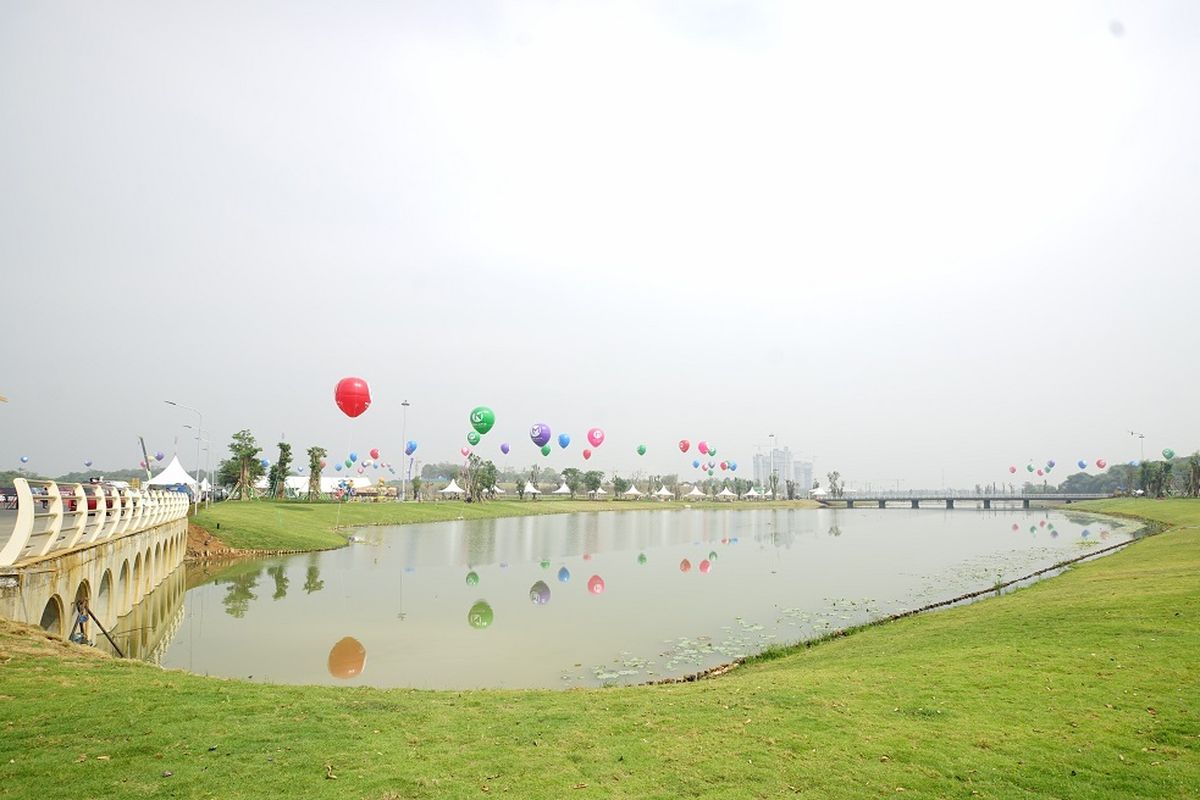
(504, 448)
(540, 434)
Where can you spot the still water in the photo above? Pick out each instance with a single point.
(596, 598)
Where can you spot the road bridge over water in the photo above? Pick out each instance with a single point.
(949, 499)
(109, 547)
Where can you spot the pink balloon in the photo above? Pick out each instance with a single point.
(360, 470)
(322, 463)
(596, 584)
(705, 567)
(466, 451)
(703, 447)
(1040, 473)
(724, 465)
(1101, 463)
(1016, 527)
(595, 437)
(1012, 469)
(587, 454)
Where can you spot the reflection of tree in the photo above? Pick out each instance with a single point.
(312, 579)
(281, 581)
(241, 592)
(834, 530)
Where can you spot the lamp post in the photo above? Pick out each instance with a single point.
(1141, 445)
(199, 428)
(207, 468)
(774, 448)
(404, 446)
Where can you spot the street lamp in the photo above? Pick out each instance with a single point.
(199, 427)
(1141, 444)
(404, 446)
(207, 467)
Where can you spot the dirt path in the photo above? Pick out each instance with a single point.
(202, 545)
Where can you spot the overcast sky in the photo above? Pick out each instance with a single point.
(908, 238)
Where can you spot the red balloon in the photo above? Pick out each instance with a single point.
(374, 452)
(724, 465)
(587, 454)
(684, 445)
(595, 584)
(685, 566)
(352, 395)
(705, 566)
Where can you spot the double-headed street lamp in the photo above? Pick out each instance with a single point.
(199, 428)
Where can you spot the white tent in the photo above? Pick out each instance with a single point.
(663, 491)
(632, 491)
(205, 486)
(173, 475)
(752, 494)
(452, 488)
(695, 492)
(530, 488)
(818, 492)
(598, 492)
(564, 489)
(725, 493)
(497, 490)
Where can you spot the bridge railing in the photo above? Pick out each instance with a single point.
(52, 518)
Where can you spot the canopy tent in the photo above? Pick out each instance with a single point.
(497, 490)
(818, 492)
(598, 492)
(725, 493)
(695, 492)
(452, 488)
(205, 486)
(752, 494)
(530, 488)
(663, 491)
(632, 491)
(564, 489)
(173, 475)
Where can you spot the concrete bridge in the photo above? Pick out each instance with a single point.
(914, 500)
(107, 546)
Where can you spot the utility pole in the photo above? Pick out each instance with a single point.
(1141, 445)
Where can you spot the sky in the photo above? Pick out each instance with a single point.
(915, 242)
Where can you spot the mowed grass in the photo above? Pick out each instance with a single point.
(1083, 686)
(290, 525)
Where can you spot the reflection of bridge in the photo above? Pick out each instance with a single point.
(107, 546)
(914, 499)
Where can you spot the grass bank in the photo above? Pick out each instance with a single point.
(288, 525)
(1084, 686)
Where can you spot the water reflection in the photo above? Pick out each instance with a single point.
(347, 658)
(657, 616)
(146, 631)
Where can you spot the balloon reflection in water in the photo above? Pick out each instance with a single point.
(544, 563)
(685, 566)
(595, 584)
(712, 555)
(539, 593)
(705, 566)
(641, 558)
(564, 575)
(480, 616)
(347, 658)
(472, 578)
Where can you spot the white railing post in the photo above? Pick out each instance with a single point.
(101, 515)
(78, 517)
(54, 510)
(23, 526)
(138, 499)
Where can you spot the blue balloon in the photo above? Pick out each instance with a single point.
(695, 463)
(354, 456)
(410, 447)
(1081, 464)
(733, 465)
(563, 440)
(564, 575)
(24, 459)
(338, 466)
(265, 463)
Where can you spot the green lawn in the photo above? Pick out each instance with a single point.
(270, 525)
(1083, 686)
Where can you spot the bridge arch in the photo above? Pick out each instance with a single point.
(158, 562)
(122, 589)
(104, 596)
(137, 576)
(52, 616)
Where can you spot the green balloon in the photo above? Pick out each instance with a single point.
(473, 438)
(349, 463)
(641, 558)
(712, 555)
(710, 473)
(712, 451)
(480, 616)
(641, 449)
(482, 419)
(545, 449)
(1168, 454)
(472, 578)
(545, 563)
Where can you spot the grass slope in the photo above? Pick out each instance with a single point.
(1084, 686)
(270, 525)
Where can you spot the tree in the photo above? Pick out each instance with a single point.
(574, 480)
(592, 480)
(415, 483)
(533, 477)
(773, 482)
(315, 454)
(1192, 477)
(835, 485)
(279, 485)
(791, 490)
(620, 485)
(249, 469)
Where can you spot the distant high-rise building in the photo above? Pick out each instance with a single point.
(777, 461)
(803, 472)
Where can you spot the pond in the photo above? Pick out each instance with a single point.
(595, 598)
